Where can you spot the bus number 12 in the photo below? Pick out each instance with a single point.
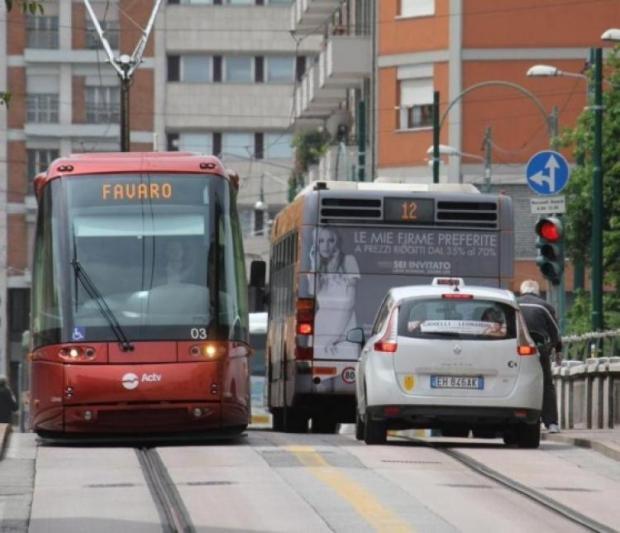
(409, 211)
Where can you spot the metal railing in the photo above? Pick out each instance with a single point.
(593, 344)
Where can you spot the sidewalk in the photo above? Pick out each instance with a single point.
(4, 434)
(605, 441)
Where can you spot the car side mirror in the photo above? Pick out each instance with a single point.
(356, 335)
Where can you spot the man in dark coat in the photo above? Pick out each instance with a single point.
(543, 325)
(7, 402)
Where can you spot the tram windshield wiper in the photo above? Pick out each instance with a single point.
(102, 305)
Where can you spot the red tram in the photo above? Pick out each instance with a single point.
(139, 298)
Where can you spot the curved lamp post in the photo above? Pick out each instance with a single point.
(550, 119)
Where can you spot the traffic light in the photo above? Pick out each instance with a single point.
(550, 246)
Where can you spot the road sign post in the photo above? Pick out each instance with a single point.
(547, 173)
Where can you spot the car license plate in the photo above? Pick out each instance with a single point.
(457, 382)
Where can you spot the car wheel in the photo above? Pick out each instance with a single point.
(510, 436)
(324, 424)
(295, 421)
(528, 435)
(359, 426)
(375, 431)
(455, 432)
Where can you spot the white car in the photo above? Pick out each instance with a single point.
(452, 357)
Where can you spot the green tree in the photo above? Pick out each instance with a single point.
(309, 146)
(579, 194)
(28, 6)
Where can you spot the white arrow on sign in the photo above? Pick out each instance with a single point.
(539, 178)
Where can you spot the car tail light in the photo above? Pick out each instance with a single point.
(525, 344)
(391, 410)
(305, 316)
(388, 343)
(526, 349)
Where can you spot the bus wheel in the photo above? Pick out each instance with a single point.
(278, 418)
(324, 424)
(295, 421)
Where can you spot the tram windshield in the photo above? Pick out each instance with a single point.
(163, 252)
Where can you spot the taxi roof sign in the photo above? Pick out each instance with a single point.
(453, 282)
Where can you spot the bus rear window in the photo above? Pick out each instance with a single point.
(461, 319)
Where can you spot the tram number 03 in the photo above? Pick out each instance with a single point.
(198, 333)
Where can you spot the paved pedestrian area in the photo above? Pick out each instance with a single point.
(605, 441)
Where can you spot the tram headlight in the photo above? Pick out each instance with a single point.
(209, 350)
(77, 353)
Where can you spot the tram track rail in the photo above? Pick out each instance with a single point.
(545, 501)
(174, 516)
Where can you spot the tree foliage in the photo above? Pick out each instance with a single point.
(579, 190)
(309, 146)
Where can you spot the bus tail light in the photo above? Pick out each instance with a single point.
(387, 343)
(305, 316)
(304, 353)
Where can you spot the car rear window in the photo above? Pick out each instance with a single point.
(462, 319)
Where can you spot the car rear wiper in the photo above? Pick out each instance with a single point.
(102, 305)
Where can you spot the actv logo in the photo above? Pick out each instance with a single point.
(131, 381)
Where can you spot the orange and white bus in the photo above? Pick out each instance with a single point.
(336, 250)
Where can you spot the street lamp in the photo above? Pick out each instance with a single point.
(445, 149)
(544, 71)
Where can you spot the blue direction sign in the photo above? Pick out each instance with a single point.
(547, 172)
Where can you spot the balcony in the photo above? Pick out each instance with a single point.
(313, 101)
(310, 15)
(345, 61)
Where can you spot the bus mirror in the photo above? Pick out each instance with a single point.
(257, 274)
(356, 335)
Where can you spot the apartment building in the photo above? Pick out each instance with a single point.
(476, 54)
(218, 77)
(64, 99)
(336, 92)
(225, 79)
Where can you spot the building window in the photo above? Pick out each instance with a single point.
(417, 8)
(280, 69)
(196, 142)
(38, 161)
(238, 145)
(111, 32)
(42, 108)
(238, 69)
(196, 69)
(42, 31)
(102, 105)
(278, 146)
(416, 103)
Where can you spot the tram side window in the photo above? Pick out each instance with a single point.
(45, 311)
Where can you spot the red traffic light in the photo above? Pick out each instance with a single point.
(549, 229)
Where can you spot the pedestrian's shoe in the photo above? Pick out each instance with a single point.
(553, 428)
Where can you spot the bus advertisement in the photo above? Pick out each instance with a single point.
(336, 251)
